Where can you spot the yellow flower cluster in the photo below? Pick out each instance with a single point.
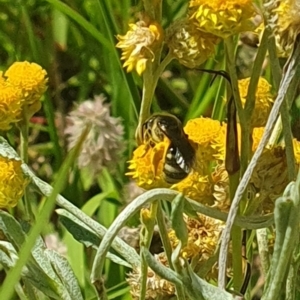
(222, 18)
(203, 237)
(191, 40)
(263, 100)
(30, 78)
(22, 86)
(285, 21)
(138, 45)
(190, 46)
(13, 182)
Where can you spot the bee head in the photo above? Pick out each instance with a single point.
(170, 126)
(159, 126)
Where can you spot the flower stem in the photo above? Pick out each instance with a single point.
(24, 124)
(164, 234)
(150, 80)
(237, 257)
(148, 228)
(291, 67)
(284, 112)
(234, 178)
(263, 249)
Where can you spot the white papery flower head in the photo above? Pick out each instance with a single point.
(104, 144)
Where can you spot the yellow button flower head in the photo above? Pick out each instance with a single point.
(209, 136)
(222, 17)
(263, 100)
(13, 182)
(139, 44)
(11, 102)
(190, 46)
(285, 20)
(197, 187)
(31, 79)
(203, 237)
(146, 165)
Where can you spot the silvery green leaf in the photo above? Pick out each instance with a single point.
(42, 282)
(12, 229)
(85, 235)
(8, 254)
(7, 151)
(178, 223)
(78, 229)
(198, 289)
(66, 275)
(42, 260)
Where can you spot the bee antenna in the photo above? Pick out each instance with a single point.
(223, 73)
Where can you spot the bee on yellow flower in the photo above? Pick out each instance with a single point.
(177, 157)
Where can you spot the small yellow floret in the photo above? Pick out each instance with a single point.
(263, 100)
(139, 44)
(222, 18)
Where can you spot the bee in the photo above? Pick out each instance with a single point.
(180, 155)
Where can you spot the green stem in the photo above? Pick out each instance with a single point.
(236, 236)
(259, 60)
(148, 228)
(245, 130)
(263, 249)
(284, 112)
(291, 285)
(24, 124)
(150, 80)
(237, 257)
(288, 141)
(149, 8)
(164, 234)
(233, 180)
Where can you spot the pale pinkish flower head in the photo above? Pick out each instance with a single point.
(104, 144)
